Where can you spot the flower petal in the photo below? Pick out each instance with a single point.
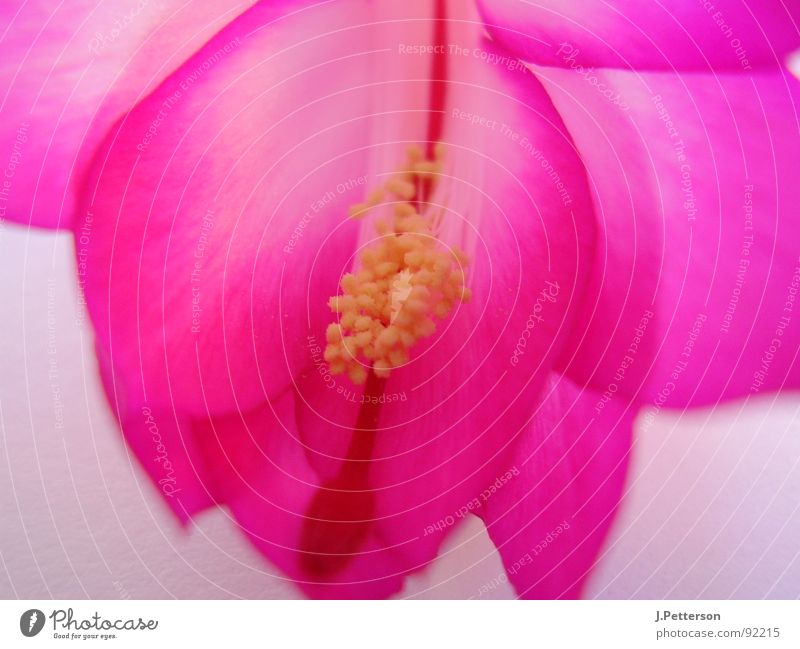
(549, 520)
(695, 283)
(682, 35)
(68, 72)
(516, 201)
(221, 189)
(260, 473)
(214, 199)
(162, 441)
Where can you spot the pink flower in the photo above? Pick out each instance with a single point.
(549, 248)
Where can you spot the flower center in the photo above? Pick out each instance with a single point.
(407, 279)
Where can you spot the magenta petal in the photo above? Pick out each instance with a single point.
(258, 470)
(219, 209)
(693, 295)
(219, 232)
(550, 513)
(684, 35)
(162, 440)
(517, 204)
(68, 72)
(163, 443)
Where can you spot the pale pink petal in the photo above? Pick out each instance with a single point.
(257, 144)
(219, 207)
(68, 71)
(549, 514)
(693, 295)
(163, 442)
(517, 204)
(260, 473)
(734, 35)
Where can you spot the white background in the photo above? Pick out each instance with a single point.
(712, 508)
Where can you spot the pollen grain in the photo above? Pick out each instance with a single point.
(405, 280)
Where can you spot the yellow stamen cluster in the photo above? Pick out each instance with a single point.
(405, 281)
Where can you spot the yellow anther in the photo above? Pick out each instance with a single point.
(398, 357)
(442, 309)
(382, 368)
(427, 169)
(414, 153)
(333, 334)
(363, 323)
(412, 224)
(375, 197)
(348, 320)
(357, 374)
(407, 338)
(349, 283)
(406, 280)
(386, 268)
(414, 258)
(423, 277)
(401, 188)
(358, 211)
(370, 288)
(424, 328)
(404, 209)
(388, 337)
